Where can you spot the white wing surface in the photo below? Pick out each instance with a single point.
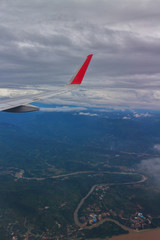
(22, 104)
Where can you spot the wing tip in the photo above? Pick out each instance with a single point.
(90, 55)
(77, 79)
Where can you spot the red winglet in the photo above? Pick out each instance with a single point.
(77, 79)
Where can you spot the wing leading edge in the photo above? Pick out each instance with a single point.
(22, 104)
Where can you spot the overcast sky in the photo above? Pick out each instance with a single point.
(43, 42)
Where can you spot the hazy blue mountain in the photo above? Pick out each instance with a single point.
(73, 136)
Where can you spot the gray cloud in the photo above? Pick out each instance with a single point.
(63, 109)
(142, 115)
(157, 147)
(43, 42)
(151, 167)
(88, 114)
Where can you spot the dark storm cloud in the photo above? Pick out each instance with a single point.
(43, 43)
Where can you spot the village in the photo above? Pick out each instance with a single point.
(94, 214)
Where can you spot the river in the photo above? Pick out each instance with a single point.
(142, 235)
(76, 218)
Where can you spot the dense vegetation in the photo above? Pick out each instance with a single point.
(50, 144)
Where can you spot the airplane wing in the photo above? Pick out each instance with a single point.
(22, 104)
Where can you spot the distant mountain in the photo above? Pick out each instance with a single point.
(75, 136)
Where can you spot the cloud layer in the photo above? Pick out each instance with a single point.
(43, 43)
